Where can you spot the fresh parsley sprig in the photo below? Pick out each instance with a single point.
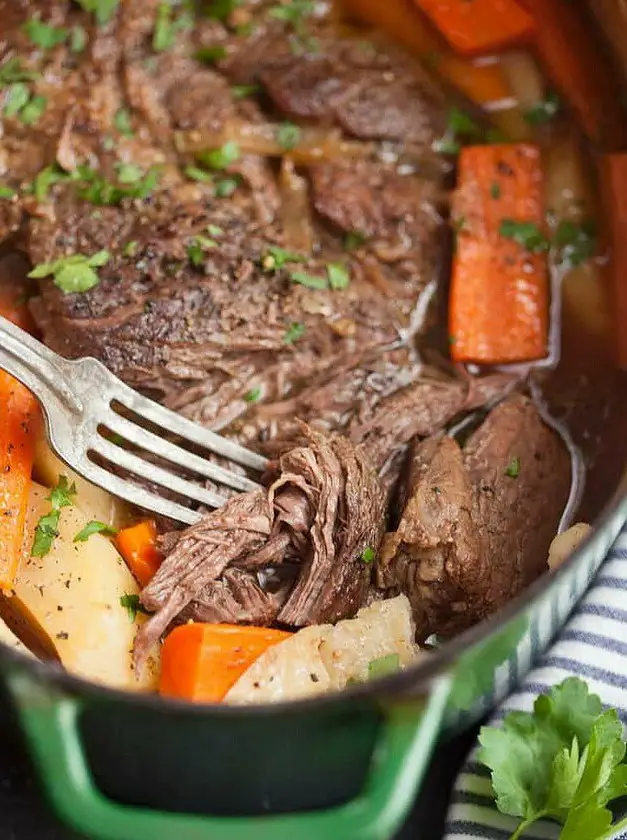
(47, 529)
(562, 762)
(76, 273)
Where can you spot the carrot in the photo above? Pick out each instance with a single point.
(484, 84)
(138, 546)
(614, 184)
(579, 64)
(499, 301)
(20, 423)
(200, 662)
(481, 26)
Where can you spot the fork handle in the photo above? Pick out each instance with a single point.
(40, 369)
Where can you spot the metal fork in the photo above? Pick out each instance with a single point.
(78, 400)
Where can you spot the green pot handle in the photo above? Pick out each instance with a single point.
(50, 723)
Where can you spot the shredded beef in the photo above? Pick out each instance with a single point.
(323, 511)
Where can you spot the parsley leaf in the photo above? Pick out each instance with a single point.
(544, 110)
(167, 25)
(122, 122)
(103, 10)
(222, 157)
(46, 178)
(32, 111)
(338, 275)
(13, 71)
(76, 273)
(367, 555)
(78, 39)
(460, 129)
(576, 243)
(276, 257)
(16, 98)
(383, 666)
(293, 333)
(7, 193)
(43, 35)
(513, 468)
(225, 187)
(95, 527)
(288, 135)
(253, 395)
(563, 761)
(197, 247)
(47, 528)
(133, 606)
(311, 281)
(244, 91)
(195, 173)
(526, 234)
(209, 55)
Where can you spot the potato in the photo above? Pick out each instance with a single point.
(93, 500)
(324, 658)
(7, 638)
(72, 595)
(564, 544)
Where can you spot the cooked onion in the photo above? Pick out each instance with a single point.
(314, 144)
(295, 209)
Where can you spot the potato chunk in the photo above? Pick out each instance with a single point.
(324, 658)
(72, 597)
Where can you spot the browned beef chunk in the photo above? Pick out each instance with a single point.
(322, 512)
(476, 526)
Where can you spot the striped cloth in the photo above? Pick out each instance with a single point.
(593, 646)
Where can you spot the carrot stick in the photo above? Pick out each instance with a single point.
(405, 25)
(498, 311)
(138, 546)
(200, 662)
(579, 64)
(614, 184)
(20, 423)
(480, 27)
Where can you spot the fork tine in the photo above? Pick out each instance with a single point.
(176, 454)
(157, 475)
(181, 426)
(133, 493)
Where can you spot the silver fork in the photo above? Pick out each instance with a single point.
(78, 400)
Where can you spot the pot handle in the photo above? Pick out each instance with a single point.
(50, 723)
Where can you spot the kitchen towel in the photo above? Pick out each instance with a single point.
(593, 646)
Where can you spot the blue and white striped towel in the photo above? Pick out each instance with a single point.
(593, 646)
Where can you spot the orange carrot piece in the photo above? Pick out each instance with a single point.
(482, 26)
(614, 184)
(20, 423)
(579, 63)
(499, 301)
(404, 24)
(138, 546)
(200, 662)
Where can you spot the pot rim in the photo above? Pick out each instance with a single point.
(401, 683)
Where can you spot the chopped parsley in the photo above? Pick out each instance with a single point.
(132, 605)
(513, 468)
(47, 528)
(367, 555)
(167, 25)
(7, 193)
(221, 9)
(253, 395)
(133, 183)
(76, 273)
(543, 111)
(195, 173)
(13, 71)
(383, 666)
(95, 527)
(16, 98)
(353, 240)
(526, 234)
(293, 333)
(460, 129)
(222, 157)
(288, 135)
(338, 275)
(122, 122)
(244, 91)
(576, 242)
(32, 111)
(103, 10)
(46, 178)
(214, 230)
(495, 190)
(225, 187)
(311, 281)
(130, 249)
(43, 35)
(196, 249)
(78, 39)
(209, 55)
(276, 257)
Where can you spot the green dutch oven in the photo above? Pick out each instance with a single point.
(117, 766)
